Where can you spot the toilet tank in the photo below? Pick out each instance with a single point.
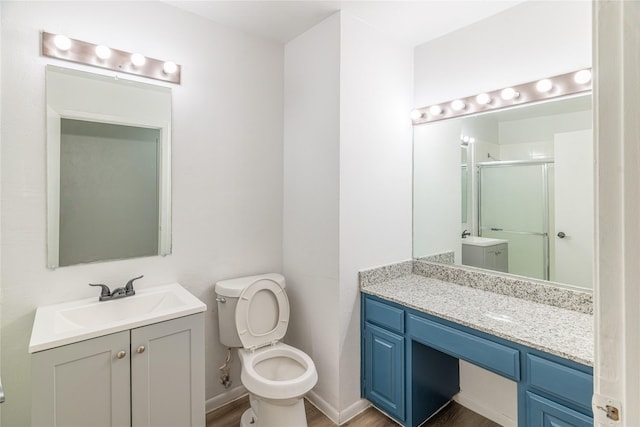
(229, 291)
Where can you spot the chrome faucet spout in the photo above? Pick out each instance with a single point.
(107, 294)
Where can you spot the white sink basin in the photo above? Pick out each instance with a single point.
(74, 321)
(482, 241)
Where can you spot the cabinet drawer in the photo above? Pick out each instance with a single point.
(544, 412)
(561, 381)
(496, 357)
(384, 315)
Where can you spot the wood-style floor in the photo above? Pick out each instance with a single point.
(453, 415)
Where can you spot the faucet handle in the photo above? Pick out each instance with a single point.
(129, 286)
(105, 291)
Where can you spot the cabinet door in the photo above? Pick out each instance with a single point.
(82, 384)
(543, 412)
(167, 373)
(384, 370)
(496, 258)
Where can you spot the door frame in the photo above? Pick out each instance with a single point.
(616, 85)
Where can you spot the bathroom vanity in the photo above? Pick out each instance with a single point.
(484, 252)
(415, 329)
(144, 367)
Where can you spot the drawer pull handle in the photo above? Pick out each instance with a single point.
(140, 349)
(121, 354)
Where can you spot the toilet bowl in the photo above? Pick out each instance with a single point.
(253, 314)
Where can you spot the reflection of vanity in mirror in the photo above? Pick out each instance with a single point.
(523, 203)
(108, 168)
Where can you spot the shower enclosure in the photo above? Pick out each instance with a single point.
(514, 204)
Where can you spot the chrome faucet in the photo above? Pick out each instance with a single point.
(465, 233)
(107, 294)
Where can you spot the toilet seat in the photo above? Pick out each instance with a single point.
(247, 328)
(279, 385)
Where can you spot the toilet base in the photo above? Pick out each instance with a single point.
(269, 414)
(248, 419)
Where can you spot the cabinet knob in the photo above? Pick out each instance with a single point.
(121, 354)
(140, 349)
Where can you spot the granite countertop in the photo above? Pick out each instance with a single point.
(558, 331)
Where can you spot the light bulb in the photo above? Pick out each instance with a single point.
(483, 99)
(170, 67)
(62, 42)
(103, 52)
(582, 77)
(416, 114)
(465, 138)
(435, 110)
(509, 94)
(544, 85)
(472, 140)
(138, 60)
(458, 105)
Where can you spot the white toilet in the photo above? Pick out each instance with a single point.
(253, 315)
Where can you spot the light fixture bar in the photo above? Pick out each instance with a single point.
(67, 49)
(539, 90)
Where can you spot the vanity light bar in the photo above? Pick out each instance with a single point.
(62, 47)
(551, 87)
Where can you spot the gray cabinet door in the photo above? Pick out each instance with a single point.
(83, 384)
(167, 373)
(494, 257)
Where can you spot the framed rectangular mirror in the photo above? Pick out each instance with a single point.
(509, 190)
(108, 168)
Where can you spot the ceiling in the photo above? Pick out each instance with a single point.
(410, 22)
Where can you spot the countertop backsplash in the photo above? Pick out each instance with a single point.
(499, 283)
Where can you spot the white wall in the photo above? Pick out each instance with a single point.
(532, 40)
(541, 129)
(376, 77)
(227, 167)
(347, 199)
(311, 198)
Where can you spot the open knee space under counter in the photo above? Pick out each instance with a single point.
(416, 329)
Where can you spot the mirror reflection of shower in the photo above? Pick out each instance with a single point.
(527, 193)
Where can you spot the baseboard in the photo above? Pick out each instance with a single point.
(224, 398)
(353, 410)
(486, 412)
(337, 417)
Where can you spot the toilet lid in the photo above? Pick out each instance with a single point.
(262, 314)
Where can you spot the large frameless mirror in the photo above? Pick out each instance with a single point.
(108, 168)
(521, 199)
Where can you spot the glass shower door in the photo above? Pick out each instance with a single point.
(513, 199)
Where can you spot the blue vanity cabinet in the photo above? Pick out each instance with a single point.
(410, 368)
(383, 373)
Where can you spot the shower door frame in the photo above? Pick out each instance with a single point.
(545, 204)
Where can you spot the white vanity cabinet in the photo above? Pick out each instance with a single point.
(147, 376)
(492, 254)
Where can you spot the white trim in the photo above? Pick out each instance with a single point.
(354, 409)
(225, 398)
(338, 417)
(617, 132)
(322, 405)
